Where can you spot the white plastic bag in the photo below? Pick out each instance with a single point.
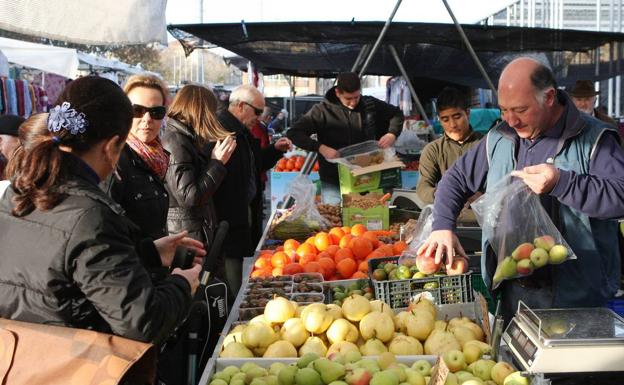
(421, 232)
(519, 230)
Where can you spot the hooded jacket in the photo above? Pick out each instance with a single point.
(337, 126)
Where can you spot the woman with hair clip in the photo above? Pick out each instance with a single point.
(69, 256)
(193, 178)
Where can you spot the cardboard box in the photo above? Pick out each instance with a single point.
(374, 218)
(385, 175)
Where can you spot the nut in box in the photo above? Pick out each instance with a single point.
(445, 289)
(308, 278)
(307, 297)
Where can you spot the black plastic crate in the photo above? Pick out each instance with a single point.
(398, 293)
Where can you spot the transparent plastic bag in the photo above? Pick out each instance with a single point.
(303, 217)
(421, 232)
(363, 155)
(519, 230)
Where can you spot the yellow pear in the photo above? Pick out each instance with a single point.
(294, 332)
(236, 350)
(279, 310)
(262, 319)
(280, 349)
(420, 325)
(400, 321)
(258, 335)
(342, 330)
(382, 307)
(335, 311)
(377, 325)
(341, 347)
(440, 342)
(476, 329)
(355, 307)
(373, 347)
(463, 335)
(234, 335)
(405, 346)
(423, 304)
(316, 318)
(485, 348)
(440, 325)
(313, 345)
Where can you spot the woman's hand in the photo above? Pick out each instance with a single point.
(224, 149)
(166, 247)
(191, 275)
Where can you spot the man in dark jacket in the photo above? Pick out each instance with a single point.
(576, 165)
(239, 198)
(439, 155)
(345, 117)
(584, 97)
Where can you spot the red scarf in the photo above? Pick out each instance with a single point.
(153, 154)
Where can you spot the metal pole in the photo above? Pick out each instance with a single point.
(379, 38)
(362, 53)
(419, 106)
(470, 49)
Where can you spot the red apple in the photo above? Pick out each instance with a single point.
(524, 267)
(459, 266)
(523, 251)
(427, 265)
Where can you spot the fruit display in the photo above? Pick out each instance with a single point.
(340, 253)
(333, 213)
(527, 257)
(360, 287)
(293, 163)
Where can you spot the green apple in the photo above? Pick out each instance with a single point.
(451, 379)
(414, 377)
(385, 377)
(454, 360)
(403, 272)
(423, 367)
(380, 275)
(308, 376)
(516, 378)
(472, 353)
(524, 267)
(545, 242)
(558, 254)
(483, 369)
(539, 257)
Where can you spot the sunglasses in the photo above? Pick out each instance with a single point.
(157, 112)
(257, 111)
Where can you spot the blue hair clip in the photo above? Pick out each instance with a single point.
(64, 117)
(56, 139)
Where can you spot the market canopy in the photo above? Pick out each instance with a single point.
(95, 22)
(427, 50)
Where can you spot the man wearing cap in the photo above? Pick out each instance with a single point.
(584, 98)
(9, 141)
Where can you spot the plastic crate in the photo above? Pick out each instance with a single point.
(617, 305)
(398, 293)
(479, 286)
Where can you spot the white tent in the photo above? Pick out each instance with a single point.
(56, 60)
(98, 22)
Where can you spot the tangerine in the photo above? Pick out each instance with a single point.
(328, 266)
(363, 266)
(310, 240)
(332, 249)
(277, 271)
(359, 275)
(374, 254)
(322, 241)
(346, 267)
(346, 229)
(358, 229)
(262, 262)
(371, 236)
(313, 267)
(307, 258)
(280, 259)
(343, 254)
(361, 247)
(306, 248)
(344, 242)
(398, 247)
(291, 244)
(292, 269)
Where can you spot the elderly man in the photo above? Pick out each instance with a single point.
(576, 165)
(239, 198)
(584, 97)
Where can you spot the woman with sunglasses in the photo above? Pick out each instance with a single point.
(140, 183)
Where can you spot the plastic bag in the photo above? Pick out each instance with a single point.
(303, 218)
(421, 232)
(519, 230)
(363, 155)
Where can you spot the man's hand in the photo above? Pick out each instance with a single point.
(328, 152)
(166, 247)
(540, 178)
(440, 243)
(191, 275)
(387, 140)
(283, 144)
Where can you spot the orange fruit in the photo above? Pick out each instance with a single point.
(280, 259)
(332, 249)
(337, 231)
(306, 248)
(266, 251)
(346, 267)
(307, 258)
(328, 265)
(292, 269)
(322, 241)
(282, 163)
(374, 254)
(313, 267)
(386, 250)
(324, 254)
(343, 254)
(346, 229)
(344, 242)
(291, 244)
(358, 229)
(359, 275)
(262, 262)
(371, 237)
(363, 267)
(361, 247)
(399, 247)
(310, 240)
(277, 271)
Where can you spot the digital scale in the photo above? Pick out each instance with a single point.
(566, 340)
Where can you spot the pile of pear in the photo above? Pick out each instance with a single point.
(353, 369)
(286, 330)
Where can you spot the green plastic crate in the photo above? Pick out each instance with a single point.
(398, 293)
(479, 286)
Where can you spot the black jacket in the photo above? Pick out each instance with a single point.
(192, 179)
(231, 198)
(76, 265)
(141, 193)
(337, 126)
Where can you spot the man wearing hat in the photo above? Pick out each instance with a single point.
(584, 98)
(8, 137)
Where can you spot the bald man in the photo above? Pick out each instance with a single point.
(576, 165)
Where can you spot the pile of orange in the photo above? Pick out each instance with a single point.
(293, 164)
(340, 253)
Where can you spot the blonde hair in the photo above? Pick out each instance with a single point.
(147, 81)
(195, 106)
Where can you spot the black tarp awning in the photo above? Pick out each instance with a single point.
(427, 50)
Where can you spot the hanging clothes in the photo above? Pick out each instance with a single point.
(12, 97)
(398, 94)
